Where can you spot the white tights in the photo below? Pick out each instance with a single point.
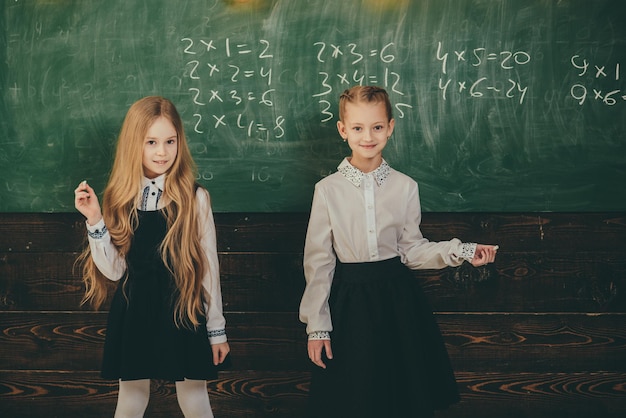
(192, 395)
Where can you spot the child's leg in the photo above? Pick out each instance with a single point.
(133, 398)
(193, 399)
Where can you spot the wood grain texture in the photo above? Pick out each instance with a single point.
(284, 232)
(266, 282)
(276, 341)
(283, 394)
(540, 333)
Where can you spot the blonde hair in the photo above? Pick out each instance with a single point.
(367, 94)
(181, 249)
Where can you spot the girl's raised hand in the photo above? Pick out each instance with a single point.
(484, 254)
(86, 202)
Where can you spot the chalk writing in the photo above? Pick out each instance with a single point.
(232, 93)
(503, 82)
(595, 82)
(353, 62)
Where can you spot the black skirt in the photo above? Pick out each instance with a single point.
(389, 358)
(142, 340)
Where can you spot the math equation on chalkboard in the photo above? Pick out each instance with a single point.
(231, 87)
(596, 81)
(346, 64)
(479, 72)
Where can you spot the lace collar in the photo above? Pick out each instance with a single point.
(355, 175)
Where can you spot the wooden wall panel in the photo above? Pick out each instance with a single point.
(274, 282)
(276, 341)
(284, 232)
(283, 394)
(540, 333)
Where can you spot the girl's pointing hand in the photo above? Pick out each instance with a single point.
(484, 254)
(86, 202)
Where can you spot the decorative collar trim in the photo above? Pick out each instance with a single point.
(159, 182)
(355, 176)
(144, 196)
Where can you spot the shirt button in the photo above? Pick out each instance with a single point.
(153, 193)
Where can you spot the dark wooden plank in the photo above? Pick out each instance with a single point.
(580, 282)
(41, 232)
(51, 281)
(266, 282)
(284, 232)
(535, 342)
(531, 232)
(284, 394)
(277, 341)
(546, 395)
(261, 282)
(65, 232)
(52, 341)
(40, 281)
(84, 394)
(261, 232)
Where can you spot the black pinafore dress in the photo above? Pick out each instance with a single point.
(389, 358)
(142, 341)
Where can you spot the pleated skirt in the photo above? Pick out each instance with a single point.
(389, 358)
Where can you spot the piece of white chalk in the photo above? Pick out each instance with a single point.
(496, 247)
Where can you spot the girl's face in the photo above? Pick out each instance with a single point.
(366, 128)
(160, 148)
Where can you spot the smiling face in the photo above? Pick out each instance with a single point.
(160, 148)
(366, 127)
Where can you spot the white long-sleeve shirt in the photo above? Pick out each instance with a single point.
(362, 217)
(113, 266)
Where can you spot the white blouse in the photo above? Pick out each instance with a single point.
(113, 266)
(362, 217)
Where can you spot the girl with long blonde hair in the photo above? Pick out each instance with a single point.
(155, 237)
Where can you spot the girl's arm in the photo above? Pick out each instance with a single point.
(216, 323)
(105, 255)
(319, 267)
(418, 252)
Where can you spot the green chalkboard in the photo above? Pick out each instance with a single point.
(500, 105)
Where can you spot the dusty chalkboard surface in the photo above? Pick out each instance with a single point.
(514, 105)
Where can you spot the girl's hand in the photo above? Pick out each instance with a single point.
(219, 352)
(484, 254)
(86, 202)
(315, 349)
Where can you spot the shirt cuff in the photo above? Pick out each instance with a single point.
(217, 336)
(98, 230)
(319, 335)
